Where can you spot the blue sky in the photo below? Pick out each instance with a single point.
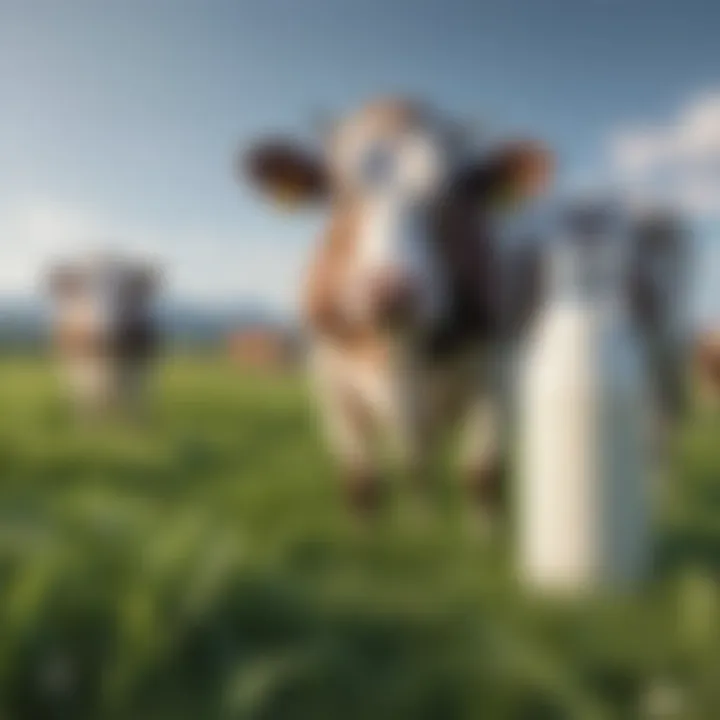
(119, 118)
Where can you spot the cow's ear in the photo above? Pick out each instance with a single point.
(512, 174)
(285, 172)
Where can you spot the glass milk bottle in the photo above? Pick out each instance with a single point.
(583, 465)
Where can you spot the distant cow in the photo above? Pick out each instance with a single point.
(103, 330)
(405, 300)
(656, 252)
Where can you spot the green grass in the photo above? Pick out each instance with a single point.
(203, 566)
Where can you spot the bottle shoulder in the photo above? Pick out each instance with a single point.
(582, 341)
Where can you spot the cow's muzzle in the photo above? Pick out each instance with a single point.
(394, 300)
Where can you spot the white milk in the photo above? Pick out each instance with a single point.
(583, 419)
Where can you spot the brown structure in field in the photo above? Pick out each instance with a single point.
(264, 348)
(707, 366)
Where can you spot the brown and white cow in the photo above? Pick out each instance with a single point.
(404, 296)
(104, 333)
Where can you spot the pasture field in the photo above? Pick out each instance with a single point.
(202, 566)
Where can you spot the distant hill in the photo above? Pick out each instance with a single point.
(185, 322)
(24, 322)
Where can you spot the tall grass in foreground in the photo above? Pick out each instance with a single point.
(202, 566)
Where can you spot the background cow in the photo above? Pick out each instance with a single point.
(656, 262)
(659, 280)
(404, 295)
(104, 332)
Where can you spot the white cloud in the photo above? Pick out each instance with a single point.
(677, 162)
(215, 266)
(32, 232)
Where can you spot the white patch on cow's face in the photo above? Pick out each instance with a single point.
(395, 181)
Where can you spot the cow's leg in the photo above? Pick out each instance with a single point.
(481, 454)
(408, 423)
(89, 385)
(483, 451)
(666, 368)
(348, 430)
(133, 377)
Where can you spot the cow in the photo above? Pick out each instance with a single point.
(658, 285)
(103, 331)
(406, 308)
(654, 255)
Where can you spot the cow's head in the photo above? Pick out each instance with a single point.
(402, 180)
